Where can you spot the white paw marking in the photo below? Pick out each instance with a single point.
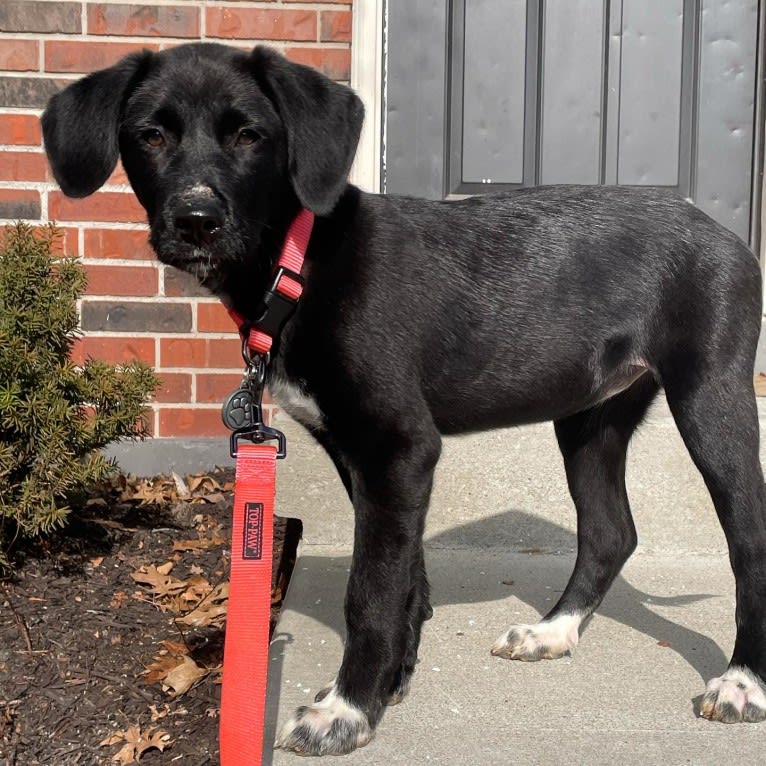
(296, 403)
(735, 697)
(331, 726)
(546, 640)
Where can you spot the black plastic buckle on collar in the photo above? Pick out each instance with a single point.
(276, 308)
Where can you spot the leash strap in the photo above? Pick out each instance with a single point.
(246, 647)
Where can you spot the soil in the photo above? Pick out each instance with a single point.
(98, 664)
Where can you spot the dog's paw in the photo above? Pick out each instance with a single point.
(735, 697)
(331, 726)
(546, 640)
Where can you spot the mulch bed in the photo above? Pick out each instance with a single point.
(111, 635)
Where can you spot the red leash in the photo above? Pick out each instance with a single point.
(246, 648)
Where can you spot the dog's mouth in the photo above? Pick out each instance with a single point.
(208, 262)
(197, 261)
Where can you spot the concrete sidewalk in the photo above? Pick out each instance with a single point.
(500, 548)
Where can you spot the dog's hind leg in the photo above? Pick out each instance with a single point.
(594, 445)
(714, 407)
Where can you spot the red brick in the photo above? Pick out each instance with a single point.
(213, 387)
(109, 207)
(333, 62)
(324, 2)
(119, 176)
(32, 16)
(113, 350)
(79, 56)
(335, 26)
(20, 130)
(115, 315)
(67, 243)
(145, 20)
(261, 23)
(220, 353)
(19, 55)
(19, 203)
(28, 92)
(213, 317)
(63, 244)
(180, 284)
(150, 422)
(175, 387)
(122, 280)
(185, 421)
(22, 166)
(117, 243)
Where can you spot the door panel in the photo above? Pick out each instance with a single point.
(650, 93)
(493, 135)
(572, 92)
(484, 95)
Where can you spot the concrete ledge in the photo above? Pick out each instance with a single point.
(155, 456)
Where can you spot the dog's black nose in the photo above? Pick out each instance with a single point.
(198, 223)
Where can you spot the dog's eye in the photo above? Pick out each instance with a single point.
(153, 137)
(247, 137)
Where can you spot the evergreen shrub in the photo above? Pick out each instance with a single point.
(55, 416)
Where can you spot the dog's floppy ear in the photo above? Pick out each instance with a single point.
(323, 120)
(81, 125)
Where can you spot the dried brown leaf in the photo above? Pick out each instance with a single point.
(136, 743)
(197, 545)
(183, 676)
(210, 611)
(195, 481)
(214, 497)
(161, 667)
(156, 714)
(182, 488)
(176, 648)
(158, 580)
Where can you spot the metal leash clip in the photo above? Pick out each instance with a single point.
(242, 412)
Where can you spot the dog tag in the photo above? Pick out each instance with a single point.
(239, 409)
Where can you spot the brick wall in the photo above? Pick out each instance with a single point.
(136, 307)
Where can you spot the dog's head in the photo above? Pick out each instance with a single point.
(220, 147)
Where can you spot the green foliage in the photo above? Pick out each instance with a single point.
(54, 416)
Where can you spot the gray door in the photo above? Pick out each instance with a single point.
(493, 94)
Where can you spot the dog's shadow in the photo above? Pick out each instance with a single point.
(453, 585)
(450, 585)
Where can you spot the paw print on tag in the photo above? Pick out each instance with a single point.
(237, 411)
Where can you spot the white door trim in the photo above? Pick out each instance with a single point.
(367, 81)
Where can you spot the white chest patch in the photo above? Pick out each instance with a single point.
(296, 403)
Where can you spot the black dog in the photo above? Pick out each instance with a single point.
(572, 304)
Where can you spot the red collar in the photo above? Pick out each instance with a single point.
(280, 299)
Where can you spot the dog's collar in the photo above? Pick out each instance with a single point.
(279, 301)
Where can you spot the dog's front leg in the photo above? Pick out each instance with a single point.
(386, 600)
